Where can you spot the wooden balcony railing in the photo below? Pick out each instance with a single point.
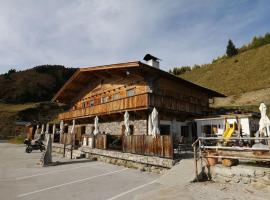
(139, 101)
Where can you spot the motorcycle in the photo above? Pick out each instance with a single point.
(33, 145)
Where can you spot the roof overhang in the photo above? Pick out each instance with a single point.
(84, 76)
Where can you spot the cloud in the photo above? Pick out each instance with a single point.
(85, 33)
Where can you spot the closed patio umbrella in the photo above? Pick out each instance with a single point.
(73, 127)
(96, 131)
(61, 130)
(42, 129)
(47, 128)
(149, 125)
(154, 119)
(126, 121)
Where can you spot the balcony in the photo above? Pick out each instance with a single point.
(136, 102)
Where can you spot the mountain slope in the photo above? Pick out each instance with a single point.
(20, 89)
(245, 72)
(33, 85)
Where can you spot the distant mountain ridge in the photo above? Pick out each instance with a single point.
(33, 85)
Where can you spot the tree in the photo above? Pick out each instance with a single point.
(231, 50)
(180, 70)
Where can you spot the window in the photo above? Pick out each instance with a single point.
(83, 104)
(92, 103)
(116, 96)
(165, 129)
(104, 99)
(130, 92)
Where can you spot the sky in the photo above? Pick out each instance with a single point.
(83, 33)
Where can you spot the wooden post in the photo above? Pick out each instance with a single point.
(143, 147)
(196, 164)
(72, 145)
(64, 144)
(200, 150)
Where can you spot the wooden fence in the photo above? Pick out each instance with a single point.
(101, 141)
(160, 146)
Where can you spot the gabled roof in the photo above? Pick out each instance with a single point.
(84, 75)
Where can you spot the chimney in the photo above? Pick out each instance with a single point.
(152, 60)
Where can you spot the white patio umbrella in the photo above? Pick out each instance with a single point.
(150, 125)
(264, 121)
(126, 121)
(37, 129)
(154, 119)
(53, 132)
(73, 127)
(47, 131)
(61, 130)
(54, 129)
(47, 128)
(42, 129)
(96, 131)
(36, 136)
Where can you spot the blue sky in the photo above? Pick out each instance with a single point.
(80, 33)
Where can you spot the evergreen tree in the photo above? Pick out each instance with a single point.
(231, 50)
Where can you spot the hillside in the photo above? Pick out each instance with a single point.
(244, 78)
(25, 95)
(39, 112)
(33, 85)
(247, 71)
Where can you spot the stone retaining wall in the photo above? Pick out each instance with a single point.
(144, 163)
(241, 174)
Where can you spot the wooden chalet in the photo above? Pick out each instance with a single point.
(110, 90)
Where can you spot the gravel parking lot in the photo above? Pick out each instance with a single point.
(22, 178)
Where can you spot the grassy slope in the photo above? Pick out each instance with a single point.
(42, 112)
(38, 84)
(245, 72)
(8, 115)
(245, 78)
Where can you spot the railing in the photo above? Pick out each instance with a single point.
(101, 141)
(135, 102)
(139, 101)
(160, 146)
(235, 148)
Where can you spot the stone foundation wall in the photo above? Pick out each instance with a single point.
(143, 163)
(241, 174)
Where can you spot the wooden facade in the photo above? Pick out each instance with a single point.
(108, 91)
(130, 86)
